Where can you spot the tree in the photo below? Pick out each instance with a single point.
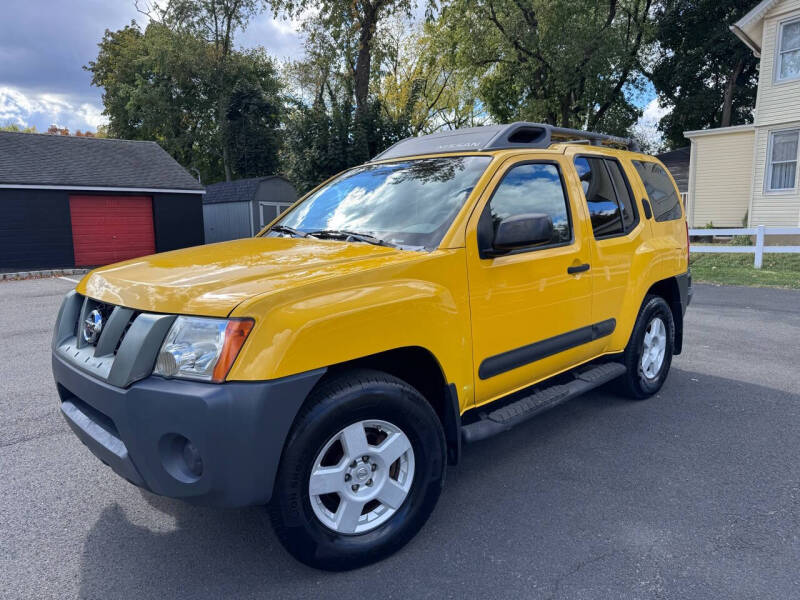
(568, 63)
(352, 25)
(323, 135)
(18, 128)
(702, 72)
(215, 22)
(162, 84)
(419, 84)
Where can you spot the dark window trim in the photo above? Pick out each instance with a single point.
(637, 218)
(567, 202)
(524, 355)
(631, 195)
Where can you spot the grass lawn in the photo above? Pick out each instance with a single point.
(778, 270)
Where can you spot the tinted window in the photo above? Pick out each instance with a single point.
(533, 188)
(600, 197)
(410, 203)
(661, 191)
(629, 216)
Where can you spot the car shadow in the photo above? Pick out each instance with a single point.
(599, 493)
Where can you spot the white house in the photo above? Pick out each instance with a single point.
(748, 174)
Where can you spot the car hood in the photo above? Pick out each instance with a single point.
(213, 279)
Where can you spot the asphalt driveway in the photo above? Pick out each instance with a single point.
(692, 494)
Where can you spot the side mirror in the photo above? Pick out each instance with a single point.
(521, 231)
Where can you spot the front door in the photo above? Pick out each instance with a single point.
(531, 308)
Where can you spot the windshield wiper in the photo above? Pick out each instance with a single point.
(290, 230)
(345, 235)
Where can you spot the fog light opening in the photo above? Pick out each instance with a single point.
(192, 458)
(181, 458)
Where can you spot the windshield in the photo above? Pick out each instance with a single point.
(409, 204)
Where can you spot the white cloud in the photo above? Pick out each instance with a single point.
(653, 112)
(646, 128)
(92, 115)
(44, 109)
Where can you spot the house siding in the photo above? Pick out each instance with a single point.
(777, 209)
(722, 178)
(178, 220)
(35, 230)
(776, 102)
(777, 108)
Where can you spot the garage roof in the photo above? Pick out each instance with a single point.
(35, 160)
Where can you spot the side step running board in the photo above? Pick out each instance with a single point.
(539, 401)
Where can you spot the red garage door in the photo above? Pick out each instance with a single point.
(107, 229)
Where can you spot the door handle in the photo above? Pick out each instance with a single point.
(578, 268)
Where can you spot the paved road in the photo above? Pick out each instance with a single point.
(693, 494)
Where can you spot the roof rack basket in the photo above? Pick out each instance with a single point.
(500, 137)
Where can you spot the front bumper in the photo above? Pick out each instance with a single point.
(238, 429)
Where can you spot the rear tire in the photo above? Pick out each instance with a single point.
(363, 435)
(648, 355)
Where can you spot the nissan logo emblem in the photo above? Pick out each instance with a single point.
(92, 326)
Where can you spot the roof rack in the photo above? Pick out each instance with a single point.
(499, 137)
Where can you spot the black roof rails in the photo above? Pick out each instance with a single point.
(499, 137)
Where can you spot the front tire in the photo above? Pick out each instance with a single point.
(648, 355)
(361, 471)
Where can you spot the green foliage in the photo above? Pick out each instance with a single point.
(559, 61)
(741, 240)
(169, 86)
(419, 83)
(18, 128)
(325, 130)
(703, 73)
(343, 36)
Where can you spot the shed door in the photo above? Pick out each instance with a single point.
(107, 229)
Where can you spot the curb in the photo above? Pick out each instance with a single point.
(41, 274)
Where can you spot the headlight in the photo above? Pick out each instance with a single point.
(201, 348)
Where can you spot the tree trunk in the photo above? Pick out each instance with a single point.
(364, 61)
(730, 87)
(223, 138)
(361, 137)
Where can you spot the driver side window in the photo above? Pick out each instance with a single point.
(532, 188)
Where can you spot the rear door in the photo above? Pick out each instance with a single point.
(617, 231)
(531, 308)
(668, 221)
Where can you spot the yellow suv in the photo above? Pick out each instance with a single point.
(331, 366)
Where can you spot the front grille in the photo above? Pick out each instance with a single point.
(116, 321)
(132, 336)
(135, 314)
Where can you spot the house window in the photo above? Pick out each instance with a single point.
(789, 51)
(783, 160)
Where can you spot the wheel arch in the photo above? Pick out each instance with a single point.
(418, 367)
(669, 290)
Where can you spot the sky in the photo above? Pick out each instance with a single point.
(45, 43)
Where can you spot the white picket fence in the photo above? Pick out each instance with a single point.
(759, 249)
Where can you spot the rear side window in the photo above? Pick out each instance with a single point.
(533, 188)
(598, 188)
(661, 191)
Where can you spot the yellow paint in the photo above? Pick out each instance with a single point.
(321, 302)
